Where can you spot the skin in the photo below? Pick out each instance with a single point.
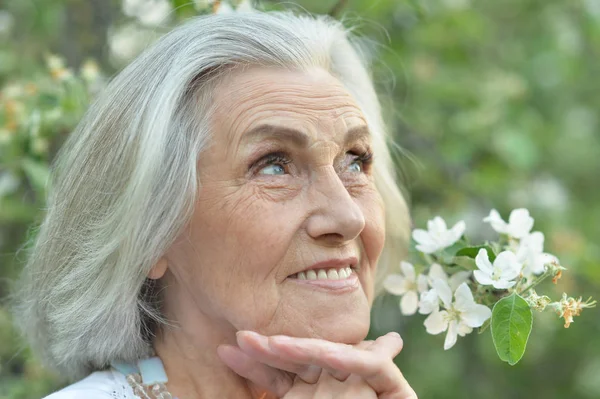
(258, 221)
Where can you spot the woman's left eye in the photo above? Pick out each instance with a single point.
(355, 167)
(360, 162)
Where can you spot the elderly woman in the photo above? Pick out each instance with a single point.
(219, 220)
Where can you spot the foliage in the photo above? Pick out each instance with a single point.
(494, 103)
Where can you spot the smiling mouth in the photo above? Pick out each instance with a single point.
(340, 273)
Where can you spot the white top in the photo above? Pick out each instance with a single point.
(109, 384)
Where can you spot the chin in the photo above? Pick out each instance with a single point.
(348, 327)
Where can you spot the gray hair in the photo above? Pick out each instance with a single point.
(124, 184)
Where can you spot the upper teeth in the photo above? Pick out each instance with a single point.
(325, 274)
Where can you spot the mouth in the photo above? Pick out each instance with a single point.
(338, 275)
(331, 274)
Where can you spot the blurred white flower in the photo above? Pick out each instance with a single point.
(459, 317)
(429, 301)
(148, 12)
(8, 183)
(501, 274)
(437, 236)
(519, 223)
(456, 279)
(408, 285)
(90, 71)
(6, 22)
(127, 41)
(531, 254)
(203, 4)
(245, 6)
(224, 8)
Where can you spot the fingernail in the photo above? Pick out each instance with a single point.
(282, 339)
(248, 333)
(394, 334)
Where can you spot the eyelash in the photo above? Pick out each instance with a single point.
(280, 158)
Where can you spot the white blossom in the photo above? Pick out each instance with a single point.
(501, 274)
(224, 8)
(456, 279)
(429, 301)
(245, 6)
(459, 317)
(531, 254)
(437, 236)
(148, 12)
(519, 223)
(408, 285)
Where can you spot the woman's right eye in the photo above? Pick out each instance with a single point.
(272, 170)
(273, 165)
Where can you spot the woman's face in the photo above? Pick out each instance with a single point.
(286, 187)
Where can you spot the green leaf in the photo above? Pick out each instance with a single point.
(465, 262)
(184, 8)
(512, 320)
(472, 252)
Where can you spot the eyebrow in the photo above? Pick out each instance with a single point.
(298, 137)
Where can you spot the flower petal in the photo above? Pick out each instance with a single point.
(436, 271)
(409, 303)
(482, 261)
(520, 223)
(451, 336)
(422, 237)
(483, 278)
(436, 322)
(463, 298)
(443, 290)
(508, 264)
(408, 270)
(476, 315)
(395, 284)
(535, 241)
(457, 231)
(437, 226)
(464, 329)
(429, 302)
(422, 283)
(503, 284)
(495, 220)
(428, 248)
(458, 278)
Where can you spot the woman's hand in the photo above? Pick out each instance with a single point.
(313, 368)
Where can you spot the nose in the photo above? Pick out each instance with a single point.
(335, 216)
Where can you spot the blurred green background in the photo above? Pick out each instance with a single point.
(495, 103)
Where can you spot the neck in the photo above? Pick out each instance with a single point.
(194, 370)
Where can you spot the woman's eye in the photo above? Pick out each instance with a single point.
(355, 167)
(361, 162)
(273, 165)
(272, 170)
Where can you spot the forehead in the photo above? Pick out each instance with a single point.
(311, 101)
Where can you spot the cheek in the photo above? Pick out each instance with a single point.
(374, 232)
(245, 235)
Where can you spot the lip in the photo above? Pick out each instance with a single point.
(346, 285)
(349, 284)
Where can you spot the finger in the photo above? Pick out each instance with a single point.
(376, 369)
(256, 346)
(364, 344)
(390, 344)
(274, 380)
(343, 375)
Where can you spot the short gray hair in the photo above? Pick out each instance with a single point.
(125, 182)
